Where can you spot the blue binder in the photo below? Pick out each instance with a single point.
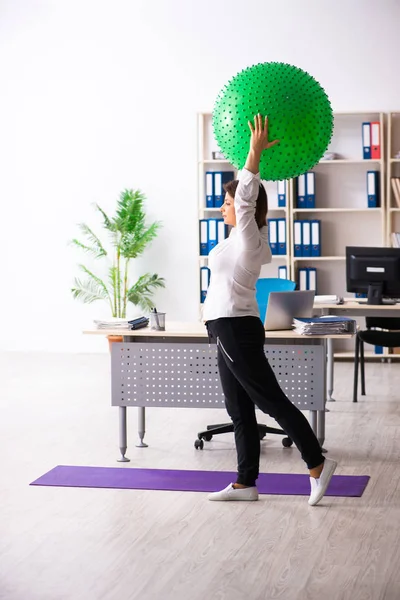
(315, 238)
(366, 140)
(282, 272)
(203, 224)
(209, 189)
(310, 190)
(312, 279)
(222, 230)
(281, 185)
(220, 178)
(301, 191)
(204, 282)
(273, 235)
(281, 223)
(303, 278)
(373, 188)
(297, 238)
(306, 238)
(211, 234)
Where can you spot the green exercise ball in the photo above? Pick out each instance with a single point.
(299, 115)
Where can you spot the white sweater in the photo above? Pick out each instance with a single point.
(236, 262)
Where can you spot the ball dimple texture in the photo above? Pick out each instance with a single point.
(299, 115)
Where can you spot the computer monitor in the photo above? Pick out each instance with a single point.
(373, 271)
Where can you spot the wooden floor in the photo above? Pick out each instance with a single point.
(90, 544)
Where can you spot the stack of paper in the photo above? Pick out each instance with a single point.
(112, 323)
(328, 325)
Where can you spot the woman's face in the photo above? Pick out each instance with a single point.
(228, 210)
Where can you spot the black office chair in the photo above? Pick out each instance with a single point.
(228, 428)
(387, 335)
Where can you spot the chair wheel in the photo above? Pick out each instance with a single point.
(208, 437)
(287, 442)
(199, 444)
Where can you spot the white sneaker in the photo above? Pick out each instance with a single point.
(231, 493)
(319, 486)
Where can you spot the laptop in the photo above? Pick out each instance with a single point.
(282, 307)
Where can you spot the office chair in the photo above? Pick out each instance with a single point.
(388, 336)
(263, 289)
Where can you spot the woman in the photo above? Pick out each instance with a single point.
(232, 319)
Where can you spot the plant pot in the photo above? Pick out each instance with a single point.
(112, 339)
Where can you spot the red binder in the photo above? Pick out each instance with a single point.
(375, 140)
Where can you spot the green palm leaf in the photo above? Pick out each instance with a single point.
(108, 223)
(96, 249)
(142, 291)
(88, 291)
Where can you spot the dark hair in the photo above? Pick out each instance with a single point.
(261, 203)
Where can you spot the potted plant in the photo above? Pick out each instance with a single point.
(129, 236)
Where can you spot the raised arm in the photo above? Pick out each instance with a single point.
(249, 183)
(258, 143)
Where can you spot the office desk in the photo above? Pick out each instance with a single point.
(178, 367)
(351, 308)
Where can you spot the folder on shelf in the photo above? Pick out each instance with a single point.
(310, 190)
(209, 189)
(222, 230)
(273, 235)
(204, 282)
(203, 237)
(303, 279)
(394, 182)
(281, 236)
(312, 279)
(301, 191)
(282, 272)
(373, 188)
(366, 139)
(375, 140)
(306, 238)
(212, 234)
(281, 194)
(315, 237)
(220, 178)
(297, 237)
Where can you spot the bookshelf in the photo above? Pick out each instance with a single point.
(392, 171)
(341, 202)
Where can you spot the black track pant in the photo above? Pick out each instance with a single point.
(247, 381)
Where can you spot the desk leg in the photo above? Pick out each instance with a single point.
(321, 428)
(122, 434)
(330, 360)
(314, 421)
(141, 426)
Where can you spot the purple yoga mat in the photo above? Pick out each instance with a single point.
(192, 481)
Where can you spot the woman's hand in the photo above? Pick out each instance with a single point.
(259, 135)
(258, 143)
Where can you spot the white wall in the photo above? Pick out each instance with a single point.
(98, 96)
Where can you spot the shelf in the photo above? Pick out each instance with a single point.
(319, 258)
(338, 210)
(394, 209)
(215, 161)
(350, 161)
(395, 160)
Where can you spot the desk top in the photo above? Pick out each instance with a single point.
(198, 329)
(352, 306)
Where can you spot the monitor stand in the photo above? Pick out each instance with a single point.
(375, 293)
